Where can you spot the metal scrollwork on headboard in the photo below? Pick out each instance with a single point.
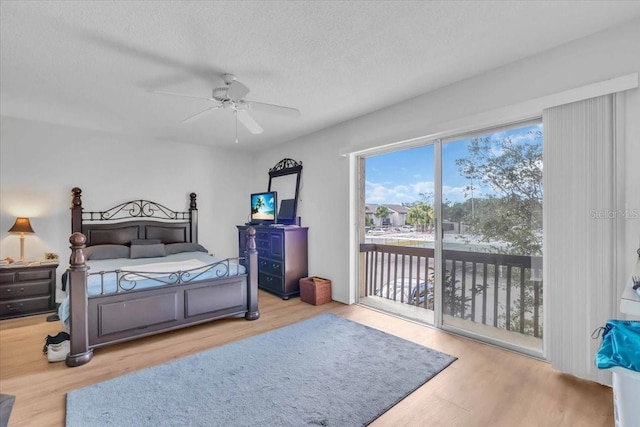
(136, 209)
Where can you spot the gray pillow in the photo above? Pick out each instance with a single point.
(176, 248)
(148, 251)
(145, 241)
(106, 252)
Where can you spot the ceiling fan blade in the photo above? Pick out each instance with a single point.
(272, 108)
(185, 95)
(245, 118)
(201, 113)
(200, 70)
(237, 90)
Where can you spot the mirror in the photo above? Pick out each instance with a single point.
(284, 178)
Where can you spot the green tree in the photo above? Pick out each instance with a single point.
(420, 213)
(513, 171)
(259, 204)
(382, 212)
(457, 211)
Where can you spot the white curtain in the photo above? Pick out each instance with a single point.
(580, 226)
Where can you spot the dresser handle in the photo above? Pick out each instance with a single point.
(9, 290)
(12, 308)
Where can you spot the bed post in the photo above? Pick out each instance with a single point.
(76, 210)
(80, 352)
(193, 217)
(251, 255)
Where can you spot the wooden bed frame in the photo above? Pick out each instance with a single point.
(100, 320)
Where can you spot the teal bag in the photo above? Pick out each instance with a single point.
(620, 345)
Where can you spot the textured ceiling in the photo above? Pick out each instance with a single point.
(95, 64)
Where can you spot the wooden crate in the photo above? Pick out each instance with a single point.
(315, 290)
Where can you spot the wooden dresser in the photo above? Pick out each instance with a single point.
(282, 257)
(26, 290)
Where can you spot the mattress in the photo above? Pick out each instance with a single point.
(125, 274)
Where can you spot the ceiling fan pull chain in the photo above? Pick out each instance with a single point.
(235, 114)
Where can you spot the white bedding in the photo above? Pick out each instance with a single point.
(125, 274)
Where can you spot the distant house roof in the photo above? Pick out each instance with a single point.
(371, 208)
(398, 208)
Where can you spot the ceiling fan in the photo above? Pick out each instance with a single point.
(232, 96)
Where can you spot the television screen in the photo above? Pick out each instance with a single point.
(263, 207)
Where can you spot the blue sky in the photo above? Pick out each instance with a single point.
(399, 177)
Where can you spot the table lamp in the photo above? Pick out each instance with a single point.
(22, 225)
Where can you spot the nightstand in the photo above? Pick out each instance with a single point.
(27, 290)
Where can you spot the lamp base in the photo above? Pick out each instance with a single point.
(21, 247)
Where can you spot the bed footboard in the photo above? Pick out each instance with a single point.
(107, 319)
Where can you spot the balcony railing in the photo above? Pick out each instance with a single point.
(503, 291)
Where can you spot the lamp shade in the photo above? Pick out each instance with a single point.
(22, 225)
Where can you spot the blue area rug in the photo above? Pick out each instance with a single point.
(6, 405)
(325, 371)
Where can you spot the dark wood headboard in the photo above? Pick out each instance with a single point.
(136, 219)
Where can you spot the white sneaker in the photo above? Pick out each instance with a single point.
(58, 352)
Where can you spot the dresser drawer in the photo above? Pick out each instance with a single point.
(269, 266)
(268, 281)
(277, 245)
(263, 246)
(23, 306)
(20, 290)
(262, 235)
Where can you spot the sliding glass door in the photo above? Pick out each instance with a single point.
(397, 271)
(452, 234)
(491, 235)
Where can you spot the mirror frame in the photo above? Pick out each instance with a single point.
(285, 167)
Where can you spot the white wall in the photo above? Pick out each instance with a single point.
(37, 158)
(41, 162)
(325, 204)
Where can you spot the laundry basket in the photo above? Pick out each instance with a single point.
(620, 353)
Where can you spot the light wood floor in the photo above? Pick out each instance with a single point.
(486, 386)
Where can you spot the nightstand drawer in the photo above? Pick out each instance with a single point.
(7, 277)
(270, 267)
(21, 290)
(19, 307)
(24, 276)
(27, 289)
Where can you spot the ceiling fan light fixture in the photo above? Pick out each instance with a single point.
(232, 96)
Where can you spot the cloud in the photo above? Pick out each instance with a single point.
(385, 192)
(423, 187)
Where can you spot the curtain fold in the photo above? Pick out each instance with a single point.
(580, 223)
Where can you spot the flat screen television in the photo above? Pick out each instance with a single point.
(263, 207)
